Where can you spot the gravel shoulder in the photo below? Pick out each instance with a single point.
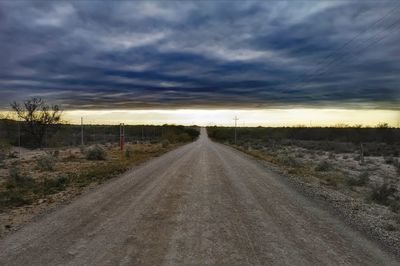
(351, 204)
(203, 203)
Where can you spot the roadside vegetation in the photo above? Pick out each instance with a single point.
(38, 174)
(43, 161)
(361, 164)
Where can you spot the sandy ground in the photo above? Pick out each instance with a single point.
(203, 203)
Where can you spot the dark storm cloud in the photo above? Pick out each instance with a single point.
(201, 54)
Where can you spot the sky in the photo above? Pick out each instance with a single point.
(203, 62)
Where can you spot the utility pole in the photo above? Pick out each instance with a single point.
(82, 131)
(236, 119)
(121, 136)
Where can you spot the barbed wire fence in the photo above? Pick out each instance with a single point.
(73, 135)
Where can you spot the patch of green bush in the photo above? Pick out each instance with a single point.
(332, 181)
(19, 189)
(51, 186)
(17, 179)
(395, 206)
(385, 194)
(82, 149)
(12, 155)
(184, 137)
(46, 163)
(2, 157)
(361, 180)
(323, 166)
(288, 160)
(56, 153)
(10, 198)
(129, 152)
(4, 148)
(396, 165)
(22, 189)
(165, 143)
(389, 159)
(96, 153)
(99, 173)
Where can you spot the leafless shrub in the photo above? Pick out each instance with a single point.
(38, 116)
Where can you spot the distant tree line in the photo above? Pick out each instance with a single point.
(382, 134)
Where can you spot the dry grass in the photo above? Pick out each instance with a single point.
(340, 171)
(40, 174)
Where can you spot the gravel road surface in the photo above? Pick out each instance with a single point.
(201, 204)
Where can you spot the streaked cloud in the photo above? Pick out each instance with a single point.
(201, 54)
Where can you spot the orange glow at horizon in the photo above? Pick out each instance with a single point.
(224, 117)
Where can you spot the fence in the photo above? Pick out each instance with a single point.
(14, 133)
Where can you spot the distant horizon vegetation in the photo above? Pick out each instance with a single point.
(227, 122)
(338, 125)
(36, 108)
(382, 124)
(37, 124)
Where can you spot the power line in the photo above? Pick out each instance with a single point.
(358, 35)
(315, 71)
(374, 40)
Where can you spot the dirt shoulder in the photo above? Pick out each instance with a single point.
(343, 184)
(35, 182)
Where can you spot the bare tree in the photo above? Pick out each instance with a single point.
(37, 116)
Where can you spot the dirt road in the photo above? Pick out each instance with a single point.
(203, 203)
